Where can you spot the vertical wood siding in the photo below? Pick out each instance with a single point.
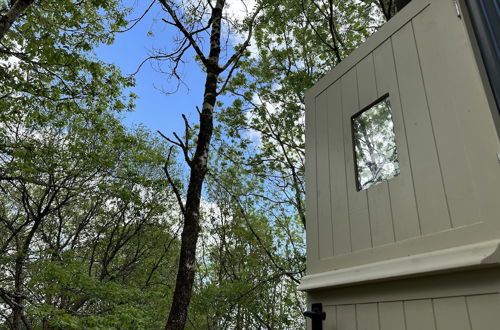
(440, 138)
(401, 188)
(476, 312)
(323, 181)
(359, 215)
(429, 190)
(379, 205)
(338, 175)
(311, 192)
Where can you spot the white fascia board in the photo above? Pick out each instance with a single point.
(473, 255)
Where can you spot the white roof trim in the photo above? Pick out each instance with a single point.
(484, 253)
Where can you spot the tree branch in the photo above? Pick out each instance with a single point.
(182, 28)
(14, 12)
(172, 183)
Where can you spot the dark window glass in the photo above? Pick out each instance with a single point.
(374, 145)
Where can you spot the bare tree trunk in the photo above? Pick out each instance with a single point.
(19, 321)
(23, 247)
(14, 12)
(18, 308)
(387, 7)
(199, 164)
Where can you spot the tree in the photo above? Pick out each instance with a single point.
(88, 225)
(263, 129)
(82, 199)
(191, 24)
(46, 60)
(12, 14)
(294, 51)
(253, 255)
(78, 191)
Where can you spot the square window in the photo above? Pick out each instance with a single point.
(374, 144)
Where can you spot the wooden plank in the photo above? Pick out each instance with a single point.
(440, 37)
(402, 194)
(357, 200)
(338, 183)
(392, 316)
(331, 317)
(379, 206)
(346, 317)
(419, 315)
(367, 316)
(451, 314)
(311, 191)
(484, 311)
(380, 214)
(323, 178)
(367, 86)
(429, 190)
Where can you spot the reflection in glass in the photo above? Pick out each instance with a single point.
(374, 145)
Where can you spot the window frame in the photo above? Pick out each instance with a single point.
(353, 136)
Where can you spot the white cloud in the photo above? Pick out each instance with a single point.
(236, 12)
(239, 9)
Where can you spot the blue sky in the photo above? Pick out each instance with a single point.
(154, 109)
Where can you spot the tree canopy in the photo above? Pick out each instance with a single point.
(107, 226)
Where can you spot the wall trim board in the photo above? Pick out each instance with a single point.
(463, 257)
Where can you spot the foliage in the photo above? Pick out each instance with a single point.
(262, 131)
(47, 63)
(83, 216)
(86, 220)
(252, 257)
(88, 224)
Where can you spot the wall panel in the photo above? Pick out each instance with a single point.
(419, 314)
(402, 193)
(311, 183)
(346, 317)
(446, 105)
(323, 178)
(379, 205)
(367, 317)
(338, 182)
(357, 200)
(475, 312)
(446, 194)
(484, 311)
(331, 320)
(451, 314)
(392, 316)
(431, 200)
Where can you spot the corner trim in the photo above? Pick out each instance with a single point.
(473, 255)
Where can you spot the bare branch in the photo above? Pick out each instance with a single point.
(182, 28)
(333, 47)
(180, 144)
(137, 20)
(187, 132)
(172, 183)
(147, 59)
(229, 75)
(236, 56)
